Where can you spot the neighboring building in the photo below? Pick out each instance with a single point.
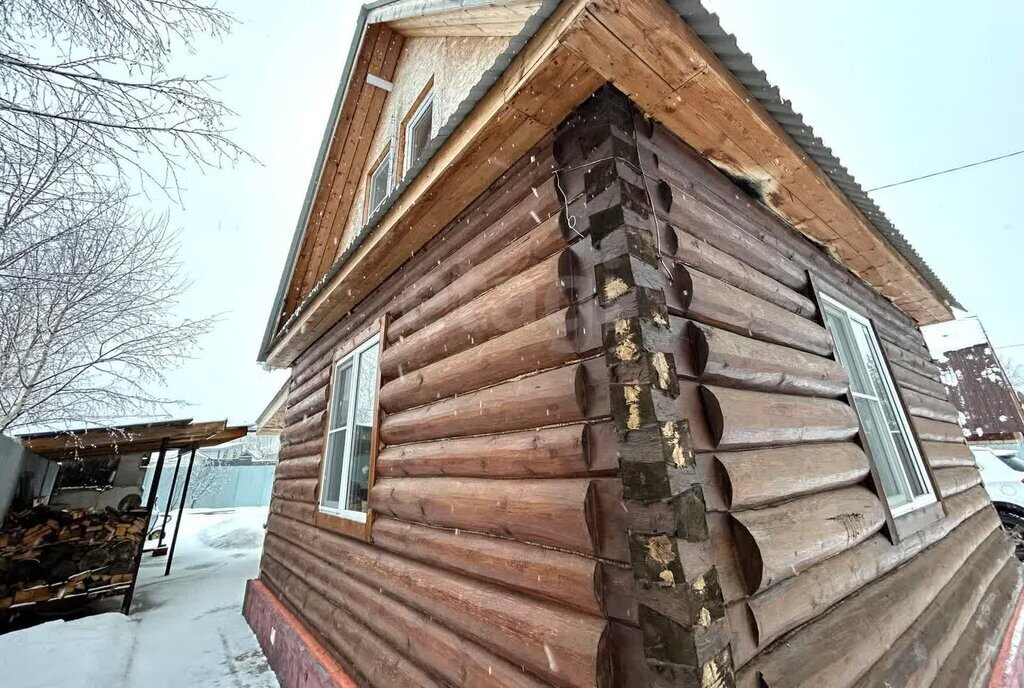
(990, 408)
(604, 372)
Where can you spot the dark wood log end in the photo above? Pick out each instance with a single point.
(713, 412)
(724, 481)
(701, 347)
(749, 556)
(683, 282)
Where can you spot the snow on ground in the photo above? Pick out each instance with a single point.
(186, 629)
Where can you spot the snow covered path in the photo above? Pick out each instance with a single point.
(185, 629)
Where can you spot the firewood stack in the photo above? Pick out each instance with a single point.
(48, 554)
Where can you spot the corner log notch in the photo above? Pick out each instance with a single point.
(679, 604)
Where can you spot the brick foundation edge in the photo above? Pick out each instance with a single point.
(295, 655)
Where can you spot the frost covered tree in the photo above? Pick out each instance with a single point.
(208, 477)
(90, 117)
(97, 72)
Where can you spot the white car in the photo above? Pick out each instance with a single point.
(1002, 473)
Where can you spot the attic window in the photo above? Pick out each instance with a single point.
(380, 182)
(418, 129)
(887, 432)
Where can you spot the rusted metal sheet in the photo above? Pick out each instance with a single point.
(981, 392)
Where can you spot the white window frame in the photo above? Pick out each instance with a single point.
(899, 412)
(350, 359)
(386, 160)
(414, 119)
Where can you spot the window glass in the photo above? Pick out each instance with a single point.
(885, 427)
(1013, 461)
(346, 475)
(358, 476)
(380, 183)
(336, 435)
(417, 131)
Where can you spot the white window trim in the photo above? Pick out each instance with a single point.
(414, 119)
(352, 358)
(901, 416)
(387, 158)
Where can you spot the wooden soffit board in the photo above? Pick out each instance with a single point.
(495, 19)
(357, 121)
(647, 51)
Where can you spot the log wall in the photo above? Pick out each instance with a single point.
(798, 538)
(615, 450)
(497, 548)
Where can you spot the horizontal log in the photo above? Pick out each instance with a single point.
(929, 407)
(836, 647)
(745, 419)
(520, 255)
(951, 481)
(701, 255)
(545, 343)
(704, 222)
(305, 467)
(713, 302)
(560, 577)
(298, 511)
(920, 363)
(298, 450)
(914, 660)
(708, 205)
(481, 235)
(558, 452)
(530, 295)
(561, 513)
(561, 645)
(797, 600)
(428, 643)
(309, 380)
(556, 396)
(937, 431)
(374, 663)
(311, 404)
(908, 379)
(781, 541)
(312, 427)
(494, 219)
(732, 360)
(296, 490)
(758, 477)
(970, 663)
(946, 454)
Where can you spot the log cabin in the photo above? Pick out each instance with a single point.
(605, 372)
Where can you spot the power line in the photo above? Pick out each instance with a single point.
(952, 169)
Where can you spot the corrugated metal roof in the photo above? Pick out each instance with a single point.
(707, 26)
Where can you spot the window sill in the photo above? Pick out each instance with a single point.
(341, 525)
(913, 521)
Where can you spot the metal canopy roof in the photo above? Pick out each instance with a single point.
(129, 439)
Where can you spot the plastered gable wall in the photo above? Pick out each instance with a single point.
(455, 63)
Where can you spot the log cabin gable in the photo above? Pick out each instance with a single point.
(562, 52)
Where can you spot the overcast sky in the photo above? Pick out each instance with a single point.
(897, 90)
